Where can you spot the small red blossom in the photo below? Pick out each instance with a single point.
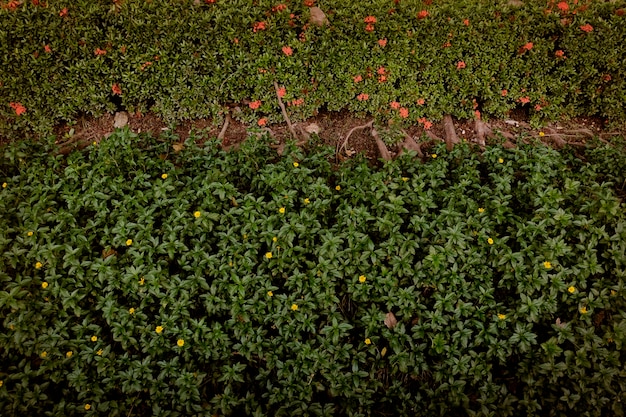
(259, 26)
(427, 124)
(563, 6)
(287, 50)
(12, 5)
(422, 14)
(47, 49)
(358, 78)
(381, 71)
(606, 77)
(382, 43)
(254, 104)
(460, 65)
(586, 28)
(281, 92)
(528, 46)
(466, 22)
(116, 89)
(370, 19)
(382, 78)
(279, 8)
(18, 107)
(309, 3)
(209, 1)
(420, 101)
(404, 112)
(447, 45)
(559, 54)
(369, 27)
(236, 41)
(524, 100)
(363, 97)
(538, 107)
(504, 93)
(394, 105)
(145, 65)
(297, 102)
(262, 122)
(620, 12)
(99, 52)
(63, 12)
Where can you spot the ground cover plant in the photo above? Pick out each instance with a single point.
(141, 281)
(408, 61)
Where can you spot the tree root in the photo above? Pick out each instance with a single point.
(369, 124)
(222, 133)
(284, 111)
(382, 148)
(410, 145)
(482, 132)
(451, 136)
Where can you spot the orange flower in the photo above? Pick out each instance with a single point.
(504, 93)
(287, 50)
(460, 65)
(537, 107)
(466, 22)
(279, 8)
(47, 49)
(296, 102)
(259, 26)
(281, 92)
(586, 28)
(394, 105)
(382, 42)
(369, 28)
(145, 65)
(370, 19)
(427, 125)
(381, 71)
(362, 97)
(309, 3)
(358, 79)
(236, 41)
(382, 79)
(262, 122)
(99, 52)
(404, 112)
(447, 45)
(528, 46)
(255, 104)
(116, 89)
(12, 5)
(18, 107)
(524, 100)
(559, 54)
(422, 14)
(420, 101)
(63, 12)
(563, 6)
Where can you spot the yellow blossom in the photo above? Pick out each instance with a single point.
(338, 188)
(87, 407)
(44, 285)
(131, 310)
(307, 201)
(583, 310)
(501, 316)
(197, 214)
(159, 329)
(95, 143)
(30, 233)
(274, 239)
(129, 242)
(270, 294)
(481, 210)
(142, 281)
(94, 338)
(613, 292)
(572, 289)
(180, 342)
(547, 265)
(164, 176)
(362, 279)
(38, 265)
(99, 352)
(434, 155)
(69, 354)
(500, 160)
(405, 179)
(294, 307)
(296, 165)
(268, 255)
(542, 134)
(44, 354)
(1, 382)
(368, 341)
(245, 236)
(5, 185)
(281, 210)
(490, 241)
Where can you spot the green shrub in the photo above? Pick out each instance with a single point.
(136, 280)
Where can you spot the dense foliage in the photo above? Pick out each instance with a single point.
(138, 281)
(413, 61)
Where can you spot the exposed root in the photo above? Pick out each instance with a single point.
(222, 133)
(410, 145)
(451, 136)
(284, 111)
(382, 148)
(369, 124)
(556, 138)
(482, 132)
(433, 136)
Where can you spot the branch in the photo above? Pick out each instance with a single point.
(345, 142)
(222, 134)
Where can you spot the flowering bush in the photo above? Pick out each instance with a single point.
(214, 283)
(94, 57)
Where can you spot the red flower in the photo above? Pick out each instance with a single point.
(528, 46)
(460, 65)
(586, 28)
(309, 3)
(47, 49)
(18, 107)
(116, 89)
(254, 104)
(504, 93)
(262, 122)
(537, 107)
(559, 54)
(382, 78)
(422, 14)
(563, 6)
(99, 52)
(362, 97)
(370, 19)
(420, 101)
(381, 71)
(281, 92)
(466, 22)
(606, 77)
(259, 26)
(524, 100)
(447, 45)
(296, 102)
(620, 12)
(404, 112)
(145, 65)
(358, 78)
(287, 50)
(279, 7)
(394, 105)
(12, 5)
(209, 1)
(382, 42)
(63, 12)
(369, 27)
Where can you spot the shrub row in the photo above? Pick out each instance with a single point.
(136, 281)
(410, 61)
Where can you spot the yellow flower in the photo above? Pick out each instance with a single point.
(5, 185)
(1, 382)
(501, 316)
(180, 342)
(338, 188)
(142, 281)
(368, 341)
(99, 352)
(481, 210)
(613, 292)
(274, 239)
(129, 242)
(159, 329)
(69, 354)
(500, 160)
(542, 134)
(270, 294)
(94, 338)
(583, 310)
(30, 233)
(362, 279)
(44, 285)
(164, 176)
(245, 236)
(38, 265)
(296, 165)
(131, 310)
(197, 214)
(572, 289)
(44, 354)
(294, 307)
(405, 179)
(268, 255)
(434, 155)
(95, 143)
(87, 407)
(281, 210)
(490, 241)
(547, 265)
(307, 201)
